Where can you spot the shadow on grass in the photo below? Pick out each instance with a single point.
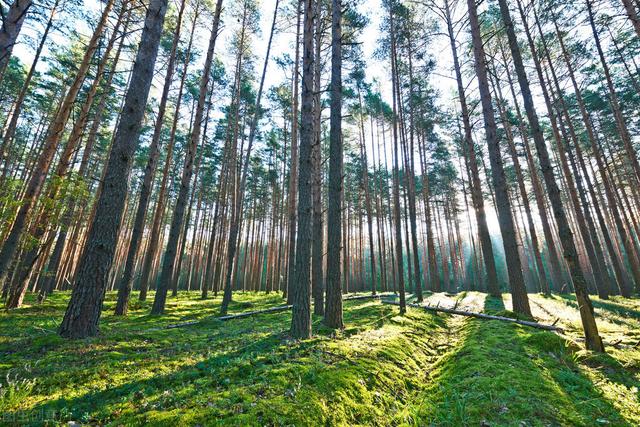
(33, 328)
(244, 372)
(619, 310)
(505, 374)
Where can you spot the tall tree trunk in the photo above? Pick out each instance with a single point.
(521, 187)
(367, 199)
(84, 309)
(477, 198)
(126, 282)
(236, 216)
(396, 167)
(293, 171)
(301, 298)
(554, 262)
(11, 26)
(317, 246)
(169, 260)
(505, 218)
(593, 340)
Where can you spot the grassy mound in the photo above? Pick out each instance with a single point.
(504, 374)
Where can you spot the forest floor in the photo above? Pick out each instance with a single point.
(383, 369)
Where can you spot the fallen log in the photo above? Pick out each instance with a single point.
(370, 296)
(253, 313)
(269, 310)
(481, 316)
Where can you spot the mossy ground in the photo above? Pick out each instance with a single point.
(383, 369)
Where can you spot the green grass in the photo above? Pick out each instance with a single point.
(509, 375)
(383, 369)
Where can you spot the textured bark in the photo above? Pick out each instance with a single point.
(126, 282)
(477, 198)
(293, 171)
(11, 26)
(333, 313)
(169, 261)
(301, 298)
(593, 340)
(632, 14)
(317, 248)
(396, 167)
(84, 309)
(505, 218)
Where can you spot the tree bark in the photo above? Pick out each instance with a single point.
(126, 282)
(477, 198)
(168, 264)
(505, 218)
(11, 26)
(396, 167)
(84, 309)
(301, 318)
(317, 248)
(593, 340)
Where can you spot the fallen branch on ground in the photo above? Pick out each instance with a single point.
(267, 310)
(252, 313)
(482, 316)
(371, 296)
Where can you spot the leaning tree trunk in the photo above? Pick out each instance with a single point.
(11, 25)
(521, 188)
(41, 225)
(84, 309)
(613, 206)
(50, 146)
(632, 14)
(124, 288)
(593, 340)
(554, 262)
(623, 130)
(19, 102)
